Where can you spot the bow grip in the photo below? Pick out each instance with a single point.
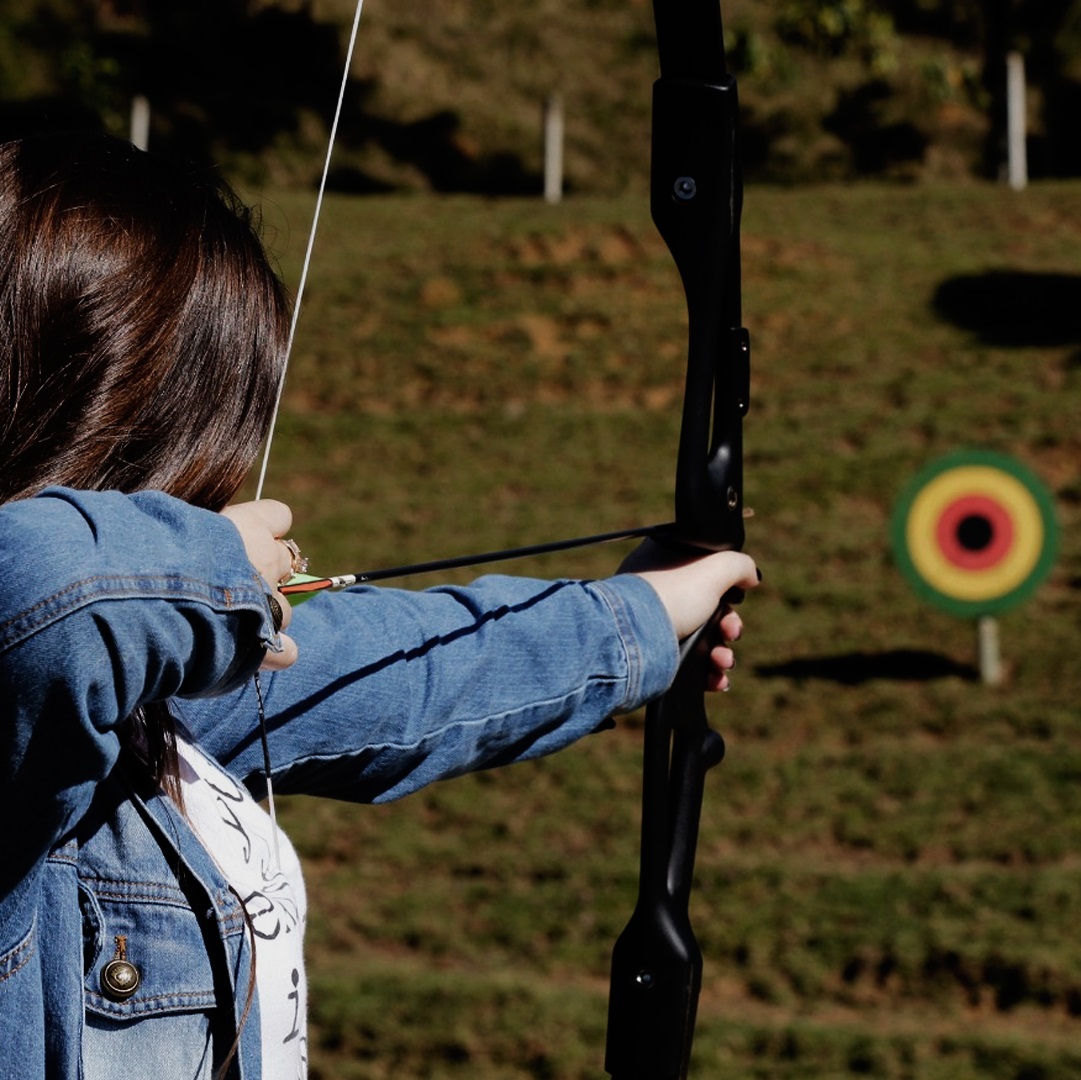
(656, 963)
(696, 200)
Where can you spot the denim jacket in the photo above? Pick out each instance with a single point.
(114, 601)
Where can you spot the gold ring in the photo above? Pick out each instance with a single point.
(297, 563)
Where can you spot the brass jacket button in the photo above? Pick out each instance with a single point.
(120, 977)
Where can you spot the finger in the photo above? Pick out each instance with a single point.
(277, 516)
(278, 661)
(261, 525)
(722, 658)
(273, 514)
(744, 574)
(726, 627)
(717, 681)
(731, 626)
(283, 564)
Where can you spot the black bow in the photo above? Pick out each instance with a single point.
(696, 199)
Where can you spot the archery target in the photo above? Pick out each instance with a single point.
(975, 533)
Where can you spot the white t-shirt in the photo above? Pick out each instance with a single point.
(238, 834)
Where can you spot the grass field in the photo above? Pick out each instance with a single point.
(889, 875)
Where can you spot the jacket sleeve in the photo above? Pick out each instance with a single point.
(394, 689)
(109, 602)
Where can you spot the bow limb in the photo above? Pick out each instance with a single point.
(696, 199)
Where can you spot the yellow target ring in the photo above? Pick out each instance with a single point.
(1007, 550)
(931, 561)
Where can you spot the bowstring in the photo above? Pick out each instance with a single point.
(350, 49)
(308, 250)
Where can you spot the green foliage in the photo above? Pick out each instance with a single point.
(886, 881)
(451, 101)
(837, 27)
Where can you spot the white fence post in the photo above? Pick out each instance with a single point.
(140, 121)
(1017, 160)
(553, 149)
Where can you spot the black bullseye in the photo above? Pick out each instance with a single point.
(975, 532)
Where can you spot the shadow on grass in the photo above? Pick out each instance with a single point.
(900, 665)
(1015, 308)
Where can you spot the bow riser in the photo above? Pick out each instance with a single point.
(696, 201)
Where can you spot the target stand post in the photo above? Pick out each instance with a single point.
(974, 534)
(987, 648)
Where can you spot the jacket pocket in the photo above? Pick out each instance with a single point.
(153, 981)
(148, 952)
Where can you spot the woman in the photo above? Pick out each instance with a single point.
(151, 914)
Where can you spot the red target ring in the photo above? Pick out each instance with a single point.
(974, 532)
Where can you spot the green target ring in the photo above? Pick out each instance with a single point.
(974, 533)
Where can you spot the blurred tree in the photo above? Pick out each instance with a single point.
(1048, 35)
(839, 87)
(837, 27)
(1046, 32)
(221, 75)
(48, 75)
(1051, 41)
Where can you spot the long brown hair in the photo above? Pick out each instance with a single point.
(142, 335)
(142, 328)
